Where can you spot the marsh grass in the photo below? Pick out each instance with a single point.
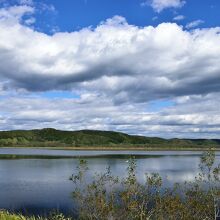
(5, 215)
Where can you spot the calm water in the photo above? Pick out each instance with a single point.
(40, 185)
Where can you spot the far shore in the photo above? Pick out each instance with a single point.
(115, 148)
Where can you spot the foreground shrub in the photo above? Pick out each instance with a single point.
(109, 197)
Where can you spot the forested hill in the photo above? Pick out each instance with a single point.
(49, 137)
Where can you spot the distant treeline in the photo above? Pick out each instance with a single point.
(49, 137)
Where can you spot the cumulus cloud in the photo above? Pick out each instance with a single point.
(118, 59)
(195, 116)
(117, 69)
(14, 13)
(160, 5)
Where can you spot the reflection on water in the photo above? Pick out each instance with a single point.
(40, 185)
(31, 151)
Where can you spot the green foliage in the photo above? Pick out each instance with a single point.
(49, 137)
(109, 197)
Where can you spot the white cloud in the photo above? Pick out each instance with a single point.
(160, 5)
(179, 18)
(196, 117)
(14, 13)
(117, 69)
(121, 55)
(194, 24)
(30, 21)
(46, 7)
(26, 2)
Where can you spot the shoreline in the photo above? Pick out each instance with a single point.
(118, 148)
(123, 152)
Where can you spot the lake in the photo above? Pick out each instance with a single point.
(37, 186)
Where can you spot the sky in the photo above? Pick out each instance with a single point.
(145, 67)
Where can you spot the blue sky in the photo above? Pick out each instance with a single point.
(74, 15)
(149, 67)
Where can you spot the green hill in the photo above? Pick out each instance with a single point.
(49, 137)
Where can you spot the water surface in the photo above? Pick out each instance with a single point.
(40, 185)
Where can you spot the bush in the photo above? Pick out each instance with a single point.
(109, 197)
